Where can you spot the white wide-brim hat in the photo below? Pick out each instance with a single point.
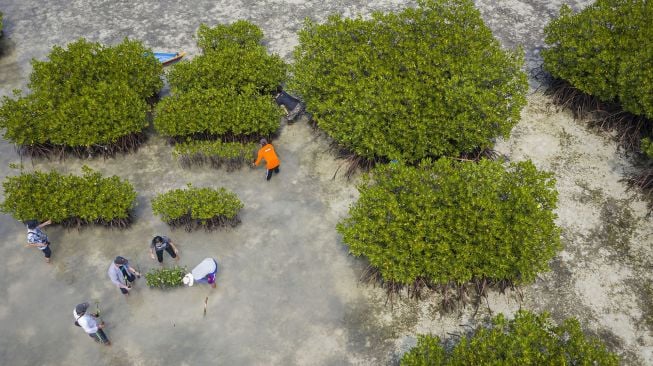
(188, 279)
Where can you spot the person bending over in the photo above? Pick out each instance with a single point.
(202, 273)
(163, 243)
(267, 153)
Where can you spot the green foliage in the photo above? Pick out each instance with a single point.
(1, 16)
(529, 339)
(428, 351)
(84, 95)
(454, 222)
(217, 153)
(647, 147)
(100, 114)
(602, 49)
(66, 198)
(226, 90)
(204, 207)
(216, 112)
(428, 81)
(233, 67)
(240, 32)
(165, 277)
(84, 64)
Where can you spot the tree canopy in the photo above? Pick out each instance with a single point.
(226, 92)
(528, 339)
(605, 50)
(428, 81)
(454, 222)
(84, 95)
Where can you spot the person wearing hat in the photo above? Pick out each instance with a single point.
(202, 273)
(36, 237)
(89, 322)
(271, 159)
(122, 274)
(161, 243)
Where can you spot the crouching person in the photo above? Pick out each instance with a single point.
(291, 104)
(202, 273)
(89, 322)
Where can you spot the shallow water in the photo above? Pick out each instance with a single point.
(287, 293)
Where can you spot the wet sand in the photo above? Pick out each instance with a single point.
(288, 293)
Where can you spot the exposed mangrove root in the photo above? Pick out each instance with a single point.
(352, 161)
(454, 295)
(504, 284)
(481, 286)
(78, 223)
(215, 223)
(567, 96)
(372, 276)
(123, 145)
(355, 162)
(216, 162)
(629, 129)
(229, 137)
(644, 181)
(478, 154)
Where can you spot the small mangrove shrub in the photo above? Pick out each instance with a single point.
(198, 207)
(226, 92)
(69, 199)
(448, 223)
(86, 99)
(240, 32)
(528, 339)
(602, 50)
(428, 81)
(215, 68)
(217, 113)
(165, 277)
(601, 58)
(232, 155)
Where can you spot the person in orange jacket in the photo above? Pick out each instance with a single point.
(271, 159)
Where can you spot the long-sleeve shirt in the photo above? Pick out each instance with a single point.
(267, 153)
(116, 275)
(205, 271)
(87, 322)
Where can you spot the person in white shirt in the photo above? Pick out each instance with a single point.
(89, 322)
(202, 273)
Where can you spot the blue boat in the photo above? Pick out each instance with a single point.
(166, 58)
